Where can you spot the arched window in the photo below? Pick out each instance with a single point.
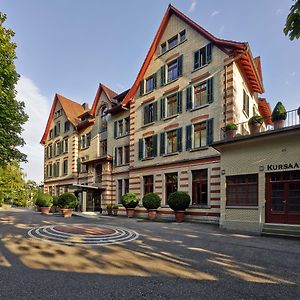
(103, 118)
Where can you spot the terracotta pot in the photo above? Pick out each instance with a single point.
(109, 211)
(152, 214)
(179, 215)
(67, 212)
(45, 210)
(130, 212)
(115, 212)
(279, 124)
(254, 128)
(230, 134)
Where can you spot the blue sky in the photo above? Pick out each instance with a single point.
(69, 47)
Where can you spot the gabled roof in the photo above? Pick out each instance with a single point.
(71, 108)
(239, 47)
(110, 94)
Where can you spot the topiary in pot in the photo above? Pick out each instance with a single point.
(230, 130)
(130, 201)
(55, 207)
(179, 202)
(255, 123)
(115, 209)
(67, 202)
(279, 115)
(151, 202)
(44, 202)
(109, 209)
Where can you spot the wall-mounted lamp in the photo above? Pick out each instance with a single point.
(223, 172)
(261, 168)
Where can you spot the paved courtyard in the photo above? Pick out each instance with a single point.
(49, 257)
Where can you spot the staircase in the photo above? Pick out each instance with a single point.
(281, 230)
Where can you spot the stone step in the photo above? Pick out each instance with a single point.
(288, 227)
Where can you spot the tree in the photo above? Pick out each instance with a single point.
(12, 114)
(292, 25)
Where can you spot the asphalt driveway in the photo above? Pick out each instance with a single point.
(167, 261)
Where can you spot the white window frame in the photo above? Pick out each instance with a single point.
(193, 135)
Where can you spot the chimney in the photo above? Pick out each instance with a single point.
(85, 106)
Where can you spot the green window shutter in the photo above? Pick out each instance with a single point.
(146, 109)
(208, 53)
(115, 128)
(162, 143)
(162, 108)
(189, 103)
(155, 80)
(179, 139)
(196, 59)
(210, 132)
(142, 85)
(154, 111)
(141, 149)
(179, 102)
(57, 169)
(115, 157)
(188, 135)
(209, 90)
(154, 145)
(180, 65)
(163, 75)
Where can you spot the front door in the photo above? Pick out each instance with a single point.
(283, 197)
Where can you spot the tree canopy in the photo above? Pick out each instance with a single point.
(12, 114)
(292, 25)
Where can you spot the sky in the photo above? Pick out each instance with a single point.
(70, 46)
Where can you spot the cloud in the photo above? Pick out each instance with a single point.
(37, 107)
(193, 6)
(214, 13)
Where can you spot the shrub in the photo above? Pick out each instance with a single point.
(109, 206)
(179, 201)
(67, 200)
(151, 201)
(43, 200)
(256, 120)
(115, 207)
(130, 200)
(55, 200)
(279, 112)
(230, 126)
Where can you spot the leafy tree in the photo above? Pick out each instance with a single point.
(12, 114)
(292, 25)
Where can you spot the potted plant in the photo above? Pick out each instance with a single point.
(109, 209)
(44, 202)
(151, 202)
(115, 209)
(67, 202)
(255, 123)
(279, 115)
(54, 207)
(179, 202)
(130, 201)
(230, 130)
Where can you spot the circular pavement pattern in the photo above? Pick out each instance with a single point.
(83, 234)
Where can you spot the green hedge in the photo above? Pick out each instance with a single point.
(151, 201)
(179, 201)
(67, 200)
(43, 200)
(130, 200)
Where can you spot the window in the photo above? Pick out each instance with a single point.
(120, 190)
(172, 70)
(65, 167)
(88, 139)
(126, 155)
(173, 42)
(150, 84)
(85, 141)
(65, 146)
(150, 113)
(202, 56)
(171, 184)
(126, 185)
(103, 148)
(51, 134)
(103, 119)
(242, 190)
(120, 156)
(182, 36)
(199, 187)
(148, 147)
(172, 105)
(98, 173)
(246, 104)
(200, 135)
(57, 129)
(172, 141)
(120, 127)
(163, 47)
(200, 95)
(57, 148)
(56, 169)
(127, 125)
(67, 126)
(148, 184)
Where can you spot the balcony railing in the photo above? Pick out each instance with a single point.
(292, 119)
